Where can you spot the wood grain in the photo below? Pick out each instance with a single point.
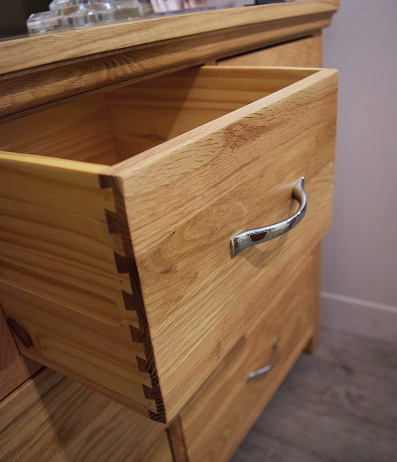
(8, 349)
(29, 52)
(59, 279)
(37, 87)
(305, 52)
(14, 369)
(177, 440)
(214, 436)
(54, 419)
(54, 234)
(149, 113)
(137, 254)
(207, 185)
(94, 353)
(81, 130)
(16, 373)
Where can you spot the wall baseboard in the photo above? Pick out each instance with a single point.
(359, 316)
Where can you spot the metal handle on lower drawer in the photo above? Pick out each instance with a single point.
(264, 370)
(257, 236)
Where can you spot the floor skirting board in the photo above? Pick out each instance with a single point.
(359, 316)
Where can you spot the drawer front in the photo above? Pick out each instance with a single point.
(186, 199)
(122, 277)
(306, 52)
(50, 418)
(217, 418)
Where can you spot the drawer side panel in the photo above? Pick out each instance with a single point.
(66, 279)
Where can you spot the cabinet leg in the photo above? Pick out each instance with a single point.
(177, 440)
(313, 342)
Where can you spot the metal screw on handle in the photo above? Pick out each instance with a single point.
(264, 370)
(258, 236)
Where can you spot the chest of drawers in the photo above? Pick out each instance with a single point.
(134, 221)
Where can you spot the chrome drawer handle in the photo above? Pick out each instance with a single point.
(264, 370)
(257, 236)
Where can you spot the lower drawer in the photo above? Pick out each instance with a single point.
(221, 413)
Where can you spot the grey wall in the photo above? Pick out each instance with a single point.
(360, 252)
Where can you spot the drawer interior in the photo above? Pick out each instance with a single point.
(115, 125)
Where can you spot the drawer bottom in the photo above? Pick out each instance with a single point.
(221, 413)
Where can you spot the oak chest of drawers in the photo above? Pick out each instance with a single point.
(158, 243)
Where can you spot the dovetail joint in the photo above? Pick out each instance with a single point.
(125, 264)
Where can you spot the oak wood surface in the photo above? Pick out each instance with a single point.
(59, 282)
(14, 369)
(17, 372)
(8, 349)
(177, 440)
(229, 175)
(303, 52)
(69, 271)
(39, 50)
(214, 436)
(41, 88)
(41, 72)
(81, 130)
(54, 419)
(54, 235)
(149, 113)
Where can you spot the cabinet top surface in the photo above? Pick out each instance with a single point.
(25, 53)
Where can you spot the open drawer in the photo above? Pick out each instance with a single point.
(117, 218)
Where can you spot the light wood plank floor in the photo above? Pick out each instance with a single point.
(337, 405)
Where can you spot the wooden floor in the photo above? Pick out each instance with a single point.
(337, 405)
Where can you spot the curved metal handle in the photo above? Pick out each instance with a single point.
(257, 236)
(264, 370)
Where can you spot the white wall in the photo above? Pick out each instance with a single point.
(360, 252)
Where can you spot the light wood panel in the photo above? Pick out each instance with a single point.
(17, 372)
(40, 86)
(80, 130)
(8, 351)
(177, 440)
(68, 301)
(14, 369)
(214, 436)
(95, 353)
(28, 52)
(148, 113)
(137, 255)
(305, 52)
(54, 234)
(186, 198)
(54, 419)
